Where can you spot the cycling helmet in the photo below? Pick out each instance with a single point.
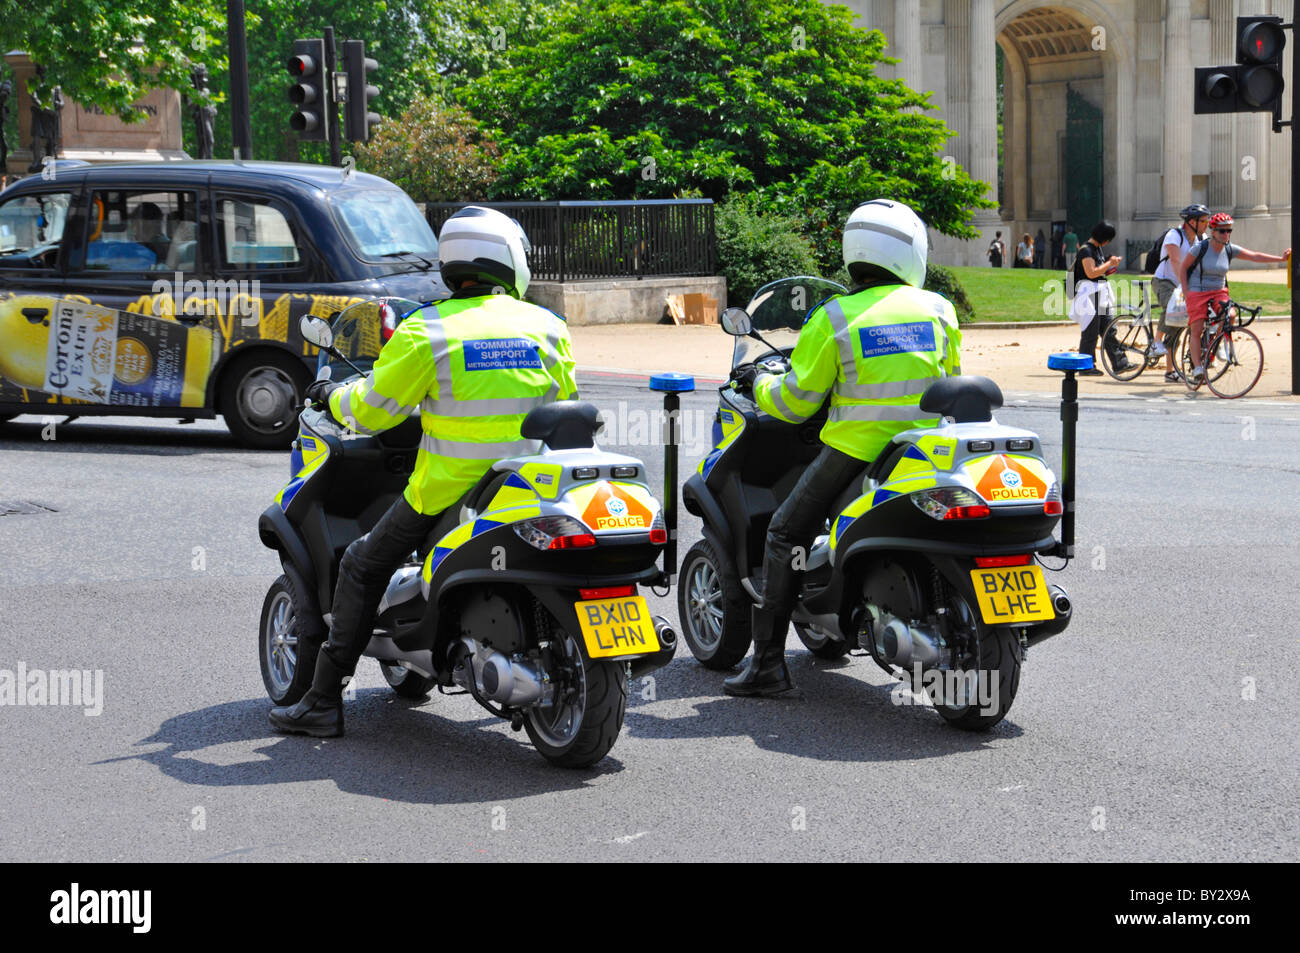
(1220, 219)
(886, 236)
(486, 246)
(1194, 211)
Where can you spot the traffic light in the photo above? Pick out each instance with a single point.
(307, 67)
(1260, 42)
(1255, 84)
(357, 117)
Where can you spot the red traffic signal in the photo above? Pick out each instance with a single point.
(307, 93)
(1260, 39)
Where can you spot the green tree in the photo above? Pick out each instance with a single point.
(110, 54)
(620, 99)
(434, 151)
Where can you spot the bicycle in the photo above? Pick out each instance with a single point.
(1134, 339)
(1233, 356)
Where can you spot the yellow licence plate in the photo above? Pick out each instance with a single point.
(1012, 594)
(616, 627)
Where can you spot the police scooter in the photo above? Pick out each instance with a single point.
(524, 595)
(929, 563)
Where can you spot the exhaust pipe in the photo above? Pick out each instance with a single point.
(667, 649)
(1064, 609)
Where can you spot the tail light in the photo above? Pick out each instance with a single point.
(995, 562)
(1052, 505)
(950, 503)
(389, 321)
(607, 592)
(659, 530)
(555, 532)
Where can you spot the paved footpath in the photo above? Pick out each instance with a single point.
(1014, 357)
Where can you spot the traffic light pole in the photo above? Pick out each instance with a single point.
(241, 125)
(331, 99)
(1295, 217)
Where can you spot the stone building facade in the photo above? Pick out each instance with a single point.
(1097, 113)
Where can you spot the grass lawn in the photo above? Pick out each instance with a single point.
(1018, 294)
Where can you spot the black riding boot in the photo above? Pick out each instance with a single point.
(320, 713)
(766, 675)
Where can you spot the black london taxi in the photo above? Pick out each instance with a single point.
(175, 289)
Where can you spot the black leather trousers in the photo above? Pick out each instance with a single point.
(364, 573)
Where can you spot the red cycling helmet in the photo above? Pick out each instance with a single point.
(1219, 220)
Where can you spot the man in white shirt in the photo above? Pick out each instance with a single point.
(1175, 244)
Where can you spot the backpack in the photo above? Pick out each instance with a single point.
(1154, 259)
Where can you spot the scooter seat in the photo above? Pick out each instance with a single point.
(563, 425)
(966, 399)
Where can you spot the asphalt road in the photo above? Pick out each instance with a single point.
(1160, 726)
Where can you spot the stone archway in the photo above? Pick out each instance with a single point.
(1055, 55)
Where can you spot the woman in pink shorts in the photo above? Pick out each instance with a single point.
(1204, 279)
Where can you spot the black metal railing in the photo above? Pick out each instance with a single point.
(573, 241)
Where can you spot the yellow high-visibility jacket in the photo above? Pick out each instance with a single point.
(875, 352)
(474, 367)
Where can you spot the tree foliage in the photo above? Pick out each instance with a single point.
(434, 151)
(110, 54)
(619, 99)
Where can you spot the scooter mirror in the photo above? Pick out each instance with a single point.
(316, 331)
(735, 321)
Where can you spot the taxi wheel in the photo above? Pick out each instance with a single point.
(261, 395)
(288, 640)
(713, 608)
(998, 678)
(405, 682)
(583, 723)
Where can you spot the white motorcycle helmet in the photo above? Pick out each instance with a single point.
(883, 235)
(486, 246)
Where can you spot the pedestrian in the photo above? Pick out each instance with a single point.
(1092, 301)
(1025, 252)
(1058, 247)
(1165, 282)
(997, 250)
(1071, 245)
(1040, 249)
(1203, 276)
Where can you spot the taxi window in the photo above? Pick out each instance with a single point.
(31, 230)
(254, 235)
(134, 231)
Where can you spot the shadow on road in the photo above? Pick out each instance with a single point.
(394, 749)
(840, 718)
(166, 438)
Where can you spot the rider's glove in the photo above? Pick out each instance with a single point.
(318, 393)
(771, 367)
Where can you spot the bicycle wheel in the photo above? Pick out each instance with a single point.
(1183, 360)
(1133, 336)
(1242, 358)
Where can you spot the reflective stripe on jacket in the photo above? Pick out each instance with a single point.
(875, 352)
(474, 367)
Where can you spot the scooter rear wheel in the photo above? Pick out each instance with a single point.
(713, 608)
(580, 728)
(999, 678)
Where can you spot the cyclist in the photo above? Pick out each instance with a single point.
(1174, 246)
(1203, 275)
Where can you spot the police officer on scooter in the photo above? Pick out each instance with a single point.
(874, 351)
(474, 365)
